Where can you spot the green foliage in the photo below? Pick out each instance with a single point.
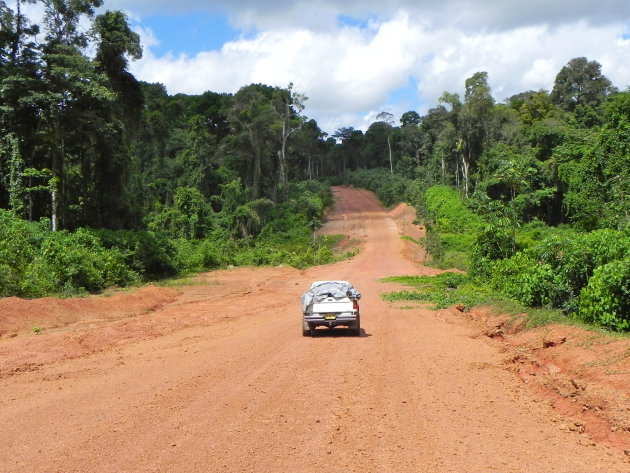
(19, 244)
(574, 258)
(525, 280)
(389, 188)
(445, 208)
(149, 254)
(605, 300)
(443, 290)
(452, 228)
(494, 242)
(194, 256)
(189, 217)
(75, 262)
(580, 82)
(35, 261)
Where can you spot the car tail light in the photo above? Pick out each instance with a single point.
(355, 305)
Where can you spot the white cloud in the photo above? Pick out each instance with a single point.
(350, 72)
(473, 14)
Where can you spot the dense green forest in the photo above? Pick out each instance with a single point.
(529, 196)
(107, 180)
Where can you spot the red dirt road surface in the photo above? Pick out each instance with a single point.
(215, 376)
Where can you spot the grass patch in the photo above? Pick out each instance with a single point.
(411, 239)
(443, 290)
(331, 240)
(179, 282)
(535, 317)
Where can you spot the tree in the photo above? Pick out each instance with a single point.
(288, 105)
(388, 118)
(536, 106)
(410, 118)
(116, 42)
(410, 136)
(20, 81)
(581, 82)
(474, 120)
(311, 149)
(350, 145)
(377, 149)
(253, 116)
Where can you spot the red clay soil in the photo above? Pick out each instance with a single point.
(216, 377)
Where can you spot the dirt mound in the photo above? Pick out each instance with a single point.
(25, 315)
(582, 373)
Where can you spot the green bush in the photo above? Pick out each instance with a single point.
(147, 253)
(525, 280)
(451, 227)
(200, 255)
(389, 188)
(605, 300)
(75, 262)
(574, 257)
(494, 242)
(446, 209)
(19, 244)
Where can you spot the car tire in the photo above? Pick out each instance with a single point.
(307, 330)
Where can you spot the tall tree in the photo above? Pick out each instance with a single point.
(117, 42)
(388, 118)
(253, 116)
(76, 114)
(581, 82)
(474, 119)
(288, 105)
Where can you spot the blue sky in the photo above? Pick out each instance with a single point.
(189, 33)
(356, 58)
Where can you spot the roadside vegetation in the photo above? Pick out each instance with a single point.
(529, 197)
(107, 180)
(35, 261)
(110, 181)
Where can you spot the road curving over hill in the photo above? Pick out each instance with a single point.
(215, 376)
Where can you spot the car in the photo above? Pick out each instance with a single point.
(331, 304)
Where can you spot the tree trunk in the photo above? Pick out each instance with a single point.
(282, 155)
(257, 170)
(391, 164)
(55, 204)
(456, 172)
(56, 181)
(310, 167)
(465, 175)
(15, 47)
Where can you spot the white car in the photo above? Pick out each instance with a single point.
(331, 304)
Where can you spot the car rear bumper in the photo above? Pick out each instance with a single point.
(319, 320)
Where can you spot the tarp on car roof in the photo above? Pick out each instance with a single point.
(320, 290)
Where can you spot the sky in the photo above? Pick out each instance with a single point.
(356, 58)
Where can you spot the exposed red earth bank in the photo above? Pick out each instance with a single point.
(215, 376)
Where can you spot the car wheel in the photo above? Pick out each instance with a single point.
(307, 330)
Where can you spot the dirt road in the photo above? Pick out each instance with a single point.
(216, 377)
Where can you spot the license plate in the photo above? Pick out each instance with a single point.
(330, 317)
